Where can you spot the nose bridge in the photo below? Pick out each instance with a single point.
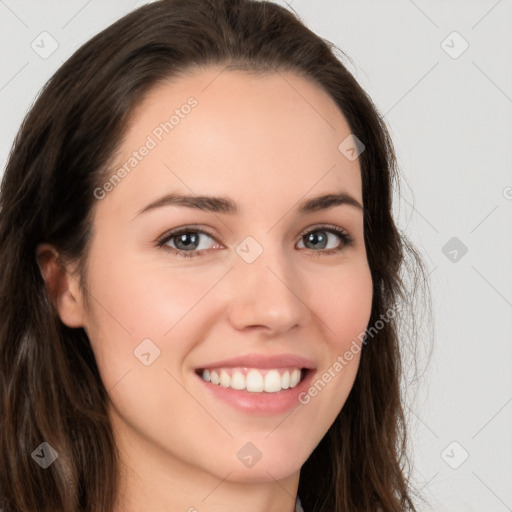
(264, 287)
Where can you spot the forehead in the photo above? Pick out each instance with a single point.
(215, 130)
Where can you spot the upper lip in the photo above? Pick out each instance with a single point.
(263, 361)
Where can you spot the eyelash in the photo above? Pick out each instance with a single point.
(346, 239)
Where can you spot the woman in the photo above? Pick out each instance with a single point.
(200, 276)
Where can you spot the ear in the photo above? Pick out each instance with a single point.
(62, 286)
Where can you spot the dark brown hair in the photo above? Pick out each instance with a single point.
(50, 387)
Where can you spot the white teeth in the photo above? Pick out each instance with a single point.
(214, 376)
(225, 379)
(294, 378)
(285, 380)
(238, 380)
(272, 381)
(254, 381)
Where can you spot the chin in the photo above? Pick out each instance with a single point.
(262, 473)
(250, 464)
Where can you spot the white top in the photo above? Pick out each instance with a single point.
(298, 505)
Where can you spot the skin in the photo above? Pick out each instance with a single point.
(267, 141)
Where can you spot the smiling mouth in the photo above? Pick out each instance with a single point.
(254, 380)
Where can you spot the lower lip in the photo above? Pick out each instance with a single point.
(261, 403)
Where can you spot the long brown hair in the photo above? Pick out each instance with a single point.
(50, 387)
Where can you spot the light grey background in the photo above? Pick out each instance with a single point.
(450, 118)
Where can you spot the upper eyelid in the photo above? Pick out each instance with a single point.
(185, 229)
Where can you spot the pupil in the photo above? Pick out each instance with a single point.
(186, 239)
(314, 238)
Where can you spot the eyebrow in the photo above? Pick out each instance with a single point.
(226, 205)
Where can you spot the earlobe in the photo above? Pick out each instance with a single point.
(61, 285)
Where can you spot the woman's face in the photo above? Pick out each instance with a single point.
(252, 295)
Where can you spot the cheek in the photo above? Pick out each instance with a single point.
(343, 301)
(130, 303)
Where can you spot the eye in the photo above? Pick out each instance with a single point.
(319, 239)
(187, 241)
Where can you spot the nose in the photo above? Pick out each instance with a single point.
(266, 294)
